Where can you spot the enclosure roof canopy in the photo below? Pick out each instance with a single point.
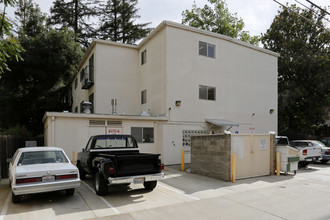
(221, 122)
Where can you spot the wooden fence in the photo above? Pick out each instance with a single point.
(8, 145)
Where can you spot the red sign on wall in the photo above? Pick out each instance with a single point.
(113, 131)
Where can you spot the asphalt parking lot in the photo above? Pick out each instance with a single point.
(185, 196)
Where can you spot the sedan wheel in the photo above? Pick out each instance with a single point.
(69, 192)
(15, 198)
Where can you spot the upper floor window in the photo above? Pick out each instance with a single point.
(143, 57)
(206, 49)
(207, 92)
(91, 100)
(143, 97)
(76, 83)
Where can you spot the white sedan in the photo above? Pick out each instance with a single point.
(41, 169)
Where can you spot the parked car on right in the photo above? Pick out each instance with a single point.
(325, 151)
(326, 141)
(309, 151)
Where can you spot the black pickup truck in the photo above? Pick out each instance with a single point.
(115, 159)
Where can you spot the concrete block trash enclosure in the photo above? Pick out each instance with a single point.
(211, 155)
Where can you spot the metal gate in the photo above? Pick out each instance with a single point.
(253, 155)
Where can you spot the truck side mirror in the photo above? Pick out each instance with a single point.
(9, 160)
(83, 150)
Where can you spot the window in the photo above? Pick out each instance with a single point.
(76, 83)
(81, 107)
(144, 57)
(206, 92)
(82, 73)
(114, 142)
(143, 135)
(206, 49)
(143, 97)
(91, 100)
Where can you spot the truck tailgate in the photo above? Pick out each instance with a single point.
(137, 164)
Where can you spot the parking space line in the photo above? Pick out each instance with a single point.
(105, 201)
(5, 208)
(177, 191)
(86, 203)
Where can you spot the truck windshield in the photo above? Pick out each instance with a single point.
(114, 142)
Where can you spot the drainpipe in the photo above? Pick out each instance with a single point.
(53, 131)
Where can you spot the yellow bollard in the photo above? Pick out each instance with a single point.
(233, 168)
(182, 160)
(73, 162)
(278, 155)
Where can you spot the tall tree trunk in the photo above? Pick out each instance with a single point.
(75, 27)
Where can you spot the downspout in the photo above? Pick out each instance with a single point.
(53, 131)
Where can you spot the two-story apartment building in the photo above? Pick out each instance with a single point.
(177, 82)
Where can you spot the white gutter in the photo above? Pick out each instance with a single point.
(53, 131)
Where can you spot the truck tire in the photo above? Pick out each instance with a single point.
(82, 172)
(101, 185)
(150, 185)
(15, 198)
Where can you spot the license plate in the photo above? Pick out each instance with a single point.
(138, 180)
(308, 159)
(47, 179)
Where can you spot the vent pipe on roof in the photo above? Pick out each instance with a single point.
(87, 106)
(114, 106)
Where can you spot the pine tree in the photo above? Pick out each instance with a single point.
(117, 22)
(76, 15)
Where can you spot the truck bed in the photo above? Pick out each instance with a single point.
(131, 164)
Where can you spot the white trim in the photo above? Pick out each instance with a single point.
(118, 149)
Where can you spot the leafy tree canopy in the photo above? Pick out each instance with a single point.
(37, 84)
(218, 19)
(9, 45)
(302, 40)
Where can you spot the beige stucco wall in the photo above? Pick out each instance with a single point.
(245, 81)
(71, 131)
(116, 77)
(152, 75)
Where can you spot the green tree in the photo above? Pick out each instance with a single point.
(75, 15)
(9, 45)
(117, 19)
(218, 19)
(302, 40)
(38, 84)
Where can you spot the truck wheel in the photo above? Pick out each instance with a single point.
(15, 198)
(150, 185)
(101, 185)
(69, 192)
(82, 172)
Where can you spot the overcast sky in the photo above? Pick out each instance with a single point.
(257, 14)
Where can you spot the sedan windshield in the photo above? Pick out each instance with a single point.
(41, 157)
